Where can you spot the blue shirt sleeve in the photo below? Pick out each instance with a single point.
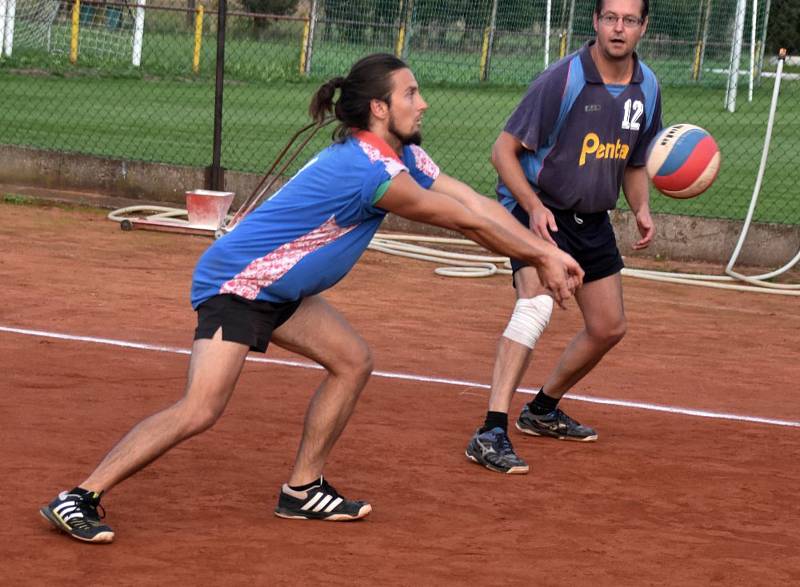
(380, 171)
(652, 121)
(420, 165)
(536, 116)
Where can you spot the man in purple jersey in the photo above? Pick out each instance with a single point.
(579, 134)
(262, 283)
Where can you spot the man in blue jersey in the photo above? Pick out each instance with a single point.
(579, 134)
(262, 282)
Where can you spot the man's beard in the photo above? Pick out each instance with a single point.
(415, 138)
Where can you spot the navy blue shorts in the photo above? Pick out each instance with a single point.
(589, 238)
(248, 322)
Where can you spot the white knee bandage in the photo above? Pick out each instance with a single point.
(529, 320)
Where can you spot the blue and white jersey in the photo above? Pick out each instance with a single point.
(310, 233)
(579, 134)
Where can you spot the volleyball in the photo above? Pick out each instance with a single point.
(683, 161)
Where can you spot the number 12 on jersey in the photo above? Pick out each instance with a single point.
(633, 112)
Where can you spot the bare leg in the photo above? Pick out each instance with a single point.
(513, 358)
(213, 371)
(321, 333)
(604, 326)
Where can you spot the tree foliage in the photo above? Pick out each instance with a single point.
(270, 6)
(354, 16)
(677, 19)
(784, 26)
(279, 7)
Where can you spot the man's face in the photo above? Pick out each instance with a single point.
(405, 108)
(619, 27)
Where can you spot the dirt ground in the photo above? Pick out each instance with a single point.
(663, 497)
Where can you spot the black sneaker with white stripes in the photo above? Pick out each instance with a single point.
(321, 502)
(493, 450)
(76, 513)
(555, 424)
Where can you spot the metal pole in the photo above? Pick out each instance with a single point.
(216, 172)
(705, 38)
(409, 22)
(75, 32)
(8, 40)
(3, 8)
(138, 34)
(752, 51)
(764, 26)
(547, 18)
(198, 38)
(702, 38)
(401, 31)
(488, 41)
(311, 32)
(736, 56)
(570, 23)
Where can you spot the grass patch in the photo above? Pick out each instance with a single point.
(11, 199)
(171, 121)
(17, 200)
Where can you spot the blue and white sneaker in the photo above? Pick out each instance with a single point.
(75, 512)
(493, 450)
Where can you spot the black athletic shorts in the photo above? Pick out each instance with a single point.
(249, 322)
(589, 238)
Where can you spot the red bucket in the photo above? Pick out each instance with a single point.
(207, 208)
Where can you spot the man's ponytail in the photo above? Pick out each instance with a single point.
(322, 102)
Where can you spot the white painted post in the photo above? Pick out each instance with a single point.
(764, 27)
(311, 32)
(11, 17)
(570, 22)
(548, 16)
(752, 51)
(736, 56)
(138, 33)
(3, 8)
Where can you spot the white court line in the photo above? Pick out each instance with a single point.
(412, 377)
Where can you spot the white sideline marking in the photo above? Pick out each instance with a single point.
(412, 377)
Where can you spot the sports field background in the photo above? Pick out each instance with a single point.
(163, 112)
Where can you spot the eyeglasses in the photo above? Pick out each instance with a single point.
(611, 19)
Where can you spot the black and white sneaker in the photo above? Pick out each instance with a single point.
(321, 502)
(75, 512)
(555, 424)
(493, 450)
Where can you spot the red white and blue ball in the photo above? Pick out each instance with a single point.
(683, 161)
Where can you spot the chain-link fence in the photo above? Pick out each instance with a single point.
(136, 81)
(511, 40)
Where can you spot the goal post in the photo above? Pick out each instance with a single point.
(759, 19)
(94, 30)
(3, 9)
(138, 34)
(7, 34)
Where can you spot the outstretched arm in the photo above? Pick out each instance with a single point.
(404, 197)
(482, 205)
(494, 211)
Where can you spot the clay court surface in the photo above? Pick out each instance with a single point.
(662, 498)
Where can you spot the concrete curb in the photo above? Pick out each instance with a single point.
(114, 183)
